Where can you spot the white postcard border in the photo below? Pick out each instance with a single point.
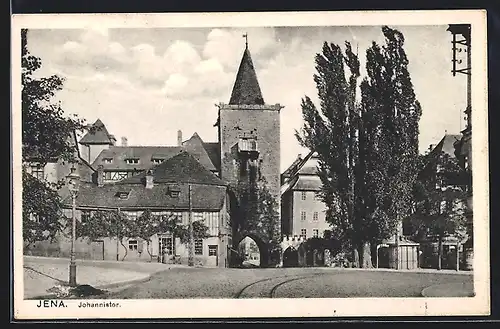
(210, 308)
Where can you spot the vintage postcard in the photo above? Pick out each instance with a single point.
(298, 164)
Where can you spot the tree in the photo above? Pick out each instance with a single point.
(440, 202)
(118, 225)
(391, 130)
(365, 150)
(328, 132)
(46, 137)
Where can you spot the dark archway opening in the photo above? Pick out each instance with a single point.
(250, 252)
(291, 257)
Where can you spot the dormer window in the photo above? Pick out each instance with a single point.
(157, 160)
(123, 195)
(107, 160)
(132, 160)
(174, 191)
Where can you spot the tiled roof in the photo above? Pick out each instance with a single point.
(197, 149)
(208, 191)
(99, 136)
(310, 166)
(181, 168)
(213, 151)
(203, 197)
(145, 154)
(246, 89)
(207, 153)
(446, 145)
(287, 173)
(307, 183)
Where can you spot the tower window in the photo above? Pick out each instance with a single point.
(315, 233)
(247, 145)
(303, 233)
(303, 195)
(302, 215)
(315, 216)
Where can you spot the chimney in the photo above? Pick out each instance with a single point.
(124, 141)
(179, 138)
(100, 176)
(149, 179)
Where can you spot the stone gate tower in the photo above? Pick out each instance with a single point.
(249, 137)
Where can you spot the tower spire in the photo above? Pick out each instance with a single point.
(246, 89)
(245, 35)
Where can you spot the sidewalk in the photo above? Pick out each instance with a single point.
(42, 273)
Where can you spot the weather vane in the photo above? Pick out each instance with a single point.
(245, 35)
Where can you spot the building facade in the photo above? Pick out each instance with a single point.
(303, 212)
(249, 137)
(248, 143)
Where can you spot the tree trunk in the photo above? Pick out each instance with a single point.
(355, 258)
(365, 255)
(124, 247)
(149, 253)
(440, 252)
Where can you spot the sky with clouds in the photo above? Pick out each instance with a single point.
(147, 83)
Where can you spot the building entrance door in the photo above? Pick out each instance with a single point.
(165, 249)
(213, 255)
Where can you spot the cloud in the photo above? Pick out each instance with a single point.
(149, 87)
(227, 45)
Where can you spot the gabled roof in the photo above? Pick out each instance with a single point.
(182, 168)
(98, 135)
(145, 154)
(301, 175)
(203, 197)
(197, 149)
(246, 89)
(447, 144)
(213, 151)
(307, 183)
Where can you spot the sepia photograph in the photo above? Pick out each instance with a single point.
(197, 160)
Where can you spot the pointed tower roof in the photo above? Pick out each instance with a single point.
(246, 89)
(98, 134)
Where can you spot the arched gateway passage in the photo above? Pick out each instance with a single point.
(250, 251)
(291, 257)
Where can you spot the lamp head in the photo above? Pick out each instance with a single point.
(73, 180)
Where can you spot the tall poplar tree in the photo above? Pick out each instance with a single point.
(331, 132)
(367, 152)
(392, 115)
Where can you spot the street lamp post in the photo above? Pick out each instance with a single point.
(73, 179)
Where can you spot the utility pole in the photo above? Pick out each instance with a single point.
(397, 247)
(191, 237)
(117, 236)
(73, 184)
